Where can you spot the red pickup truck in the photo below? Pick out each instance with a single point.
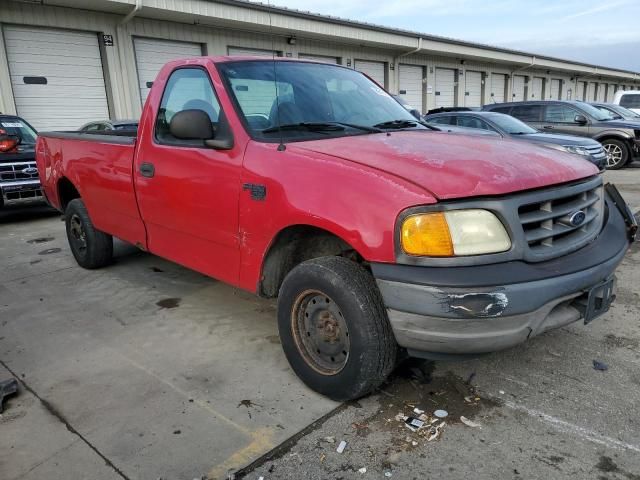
(379, 235)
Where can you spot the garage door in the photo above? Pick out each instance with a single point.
(152, 54)
(411, 86)
(536, 87)
(252, 52)
(473, 89)
(581, 90)
(318, 58)
(601, 94)
(498, 87)
(375, 70)
(611, 91)
(57, 77)
(591, 92)
(555, 92)
(518, 88)
(445, 92)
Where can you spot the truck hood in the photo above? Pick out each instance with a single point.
(456, 166)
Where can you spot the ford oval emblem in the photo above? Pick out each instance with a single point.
(30, 171)
(577, 218)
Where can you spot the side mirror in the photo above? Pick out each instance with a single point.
(416, 114)
(580, 119)
(191, 125)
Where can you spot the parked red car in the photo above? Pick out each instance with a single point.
(308, 182)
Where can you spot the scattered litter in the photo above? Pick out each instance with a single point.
(417, 411)
(388, 474)
(424, 417)
(469, 423)
(501, 392)
(597, 365)
(362, 470)
(322, 457)
(441, 413)
(329, 439)
(260, 478)
(401, 417)
(413, 424)
(435, 431)
(341, 446)
(7, 387)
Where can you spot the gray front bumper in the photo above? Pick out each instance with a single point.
(21, 192)
(496, 314)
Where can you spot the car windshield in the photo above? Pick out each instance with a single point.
(510, 125)
(594, 112)
(312, 100)
(626, 113)
(15, 126)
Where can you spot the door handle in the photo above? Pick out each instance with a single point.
(548, 127)
(147, 170)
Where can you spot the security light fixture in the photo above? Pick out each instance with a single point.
(291, 40)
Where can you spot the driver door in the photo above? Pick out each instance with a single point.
(188, 193)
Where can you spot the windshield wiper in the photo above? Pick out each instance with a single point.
(320, 127)
(397, 124)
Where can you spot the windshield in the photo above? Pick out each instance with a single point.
(594, 112)
(310, 95)
(510, 124)
(15, 126)
(626, 113)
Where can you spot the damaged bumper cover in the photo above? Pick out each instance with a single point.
(484, 308)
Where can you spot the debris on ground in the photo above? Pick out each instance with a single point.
(329, 439)
(414, 424)
(441, 413)
(469, 423)
(362, 470)
(435, 431)
(7, 388)
(601, 366)
(341, 446)
(418, 411)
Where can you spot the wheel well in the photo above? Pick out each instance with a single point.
(66, 192)
(294, 245)
(627, 141)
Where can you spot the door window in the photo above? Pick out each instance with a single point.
(559, 114)
(441, 120)
(187, 89)
(527, 113)
(472, 122)
(630, 100)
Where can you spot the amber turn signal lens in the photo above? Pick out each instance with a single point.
(427, 234)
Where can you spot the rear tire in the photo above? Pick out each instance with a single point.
(90, 247)
(334, 328)
(618, 153)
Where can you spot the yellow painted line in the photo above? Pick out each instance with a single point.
(262, 442)
(200, 403)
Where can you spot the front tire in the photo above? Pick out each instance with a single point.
(334, 328)
(90, 247)
(618, 153)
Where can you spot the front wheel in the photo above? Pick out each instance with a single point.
(90, 247)
(334, 328)
(617, 153)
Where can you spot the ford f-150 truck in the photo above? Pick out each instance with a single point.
(379, 235)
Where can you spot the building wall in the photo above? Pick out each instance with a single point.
(120, 67)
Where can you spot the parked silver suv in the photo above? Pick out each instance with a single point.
(620, 138)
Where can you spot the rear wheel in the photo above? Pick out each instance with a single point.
(90, 247)
(617, 153)
(334, 328)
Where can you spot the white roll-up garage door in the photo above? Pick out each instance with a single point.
(535, 89)
(591, 92)
(602, 92)
(473, 89)
(555, 92)
(445, 91)
(611, 91)
(411, 86)
(518, 88)
(318, 58)
(498, 87)
(581, 88)
(57, 77)
(152, 54)
(375, 70)
(251, 52)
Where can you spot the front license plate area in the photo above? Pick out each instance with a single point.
(597, 300)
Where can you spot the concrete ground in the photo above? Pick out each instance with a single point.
(146, 370)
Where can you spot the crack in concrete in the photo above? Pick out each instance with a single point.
(49, 407)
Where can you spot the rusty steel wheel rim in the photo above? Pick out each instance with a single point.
(320, 332)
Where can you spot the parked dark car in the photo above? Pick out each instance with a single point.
(109, 125)
(510, 127)
(617, 112)
(19, 180)
(620, 138)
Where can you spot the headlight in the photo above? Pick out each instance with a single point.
(453, 233)
(572, 149)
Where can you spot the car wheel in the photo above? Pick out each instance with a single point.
(334, 328)
(90, 247)
(617, 153)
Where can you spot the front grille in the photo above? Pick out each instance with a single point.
(596, 151)
(11, 172)
(551, 226)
